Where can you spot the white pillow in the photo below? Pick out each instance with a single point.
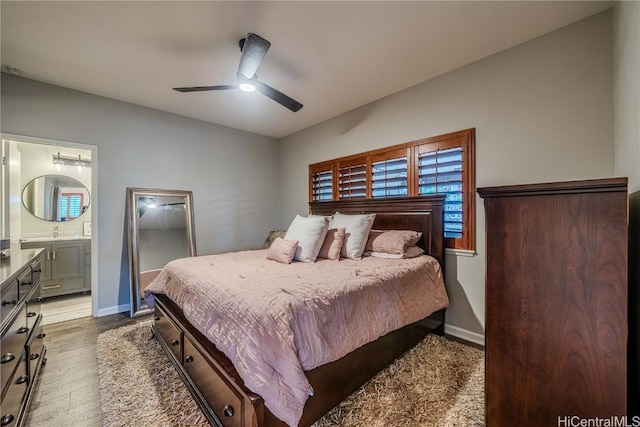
(310, 233)
(356, 234)
(411, 252)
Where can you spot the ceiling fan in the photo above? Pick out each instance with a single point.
(253, 49)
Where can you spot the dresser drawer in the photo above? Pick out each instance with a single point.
(9, 300)
(12, 346)
(222, 397)
(169, 333)
(36, 270)
(35, 345)
(16, 394)
(25, 283)
(33, 305)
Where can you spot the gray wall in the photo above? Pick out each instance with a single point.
(233, 174)
(626, 18)
(543, 111)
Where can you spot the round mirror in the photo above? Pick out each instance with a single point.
(55, 198)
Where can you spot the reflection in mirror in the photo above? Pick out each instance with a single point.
(55, 198)
(160, 229)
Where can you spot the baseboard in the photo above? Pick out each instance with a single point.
(473, 337)
(113, 310)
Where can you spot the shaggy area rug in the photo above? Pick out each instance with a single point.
(439, 383)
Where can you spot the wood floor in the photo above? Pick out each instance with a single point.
(67, 393)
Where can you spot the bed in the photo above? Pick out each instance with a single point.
(216, 383)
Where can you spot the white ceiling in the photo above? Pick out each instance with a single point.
(331, 56)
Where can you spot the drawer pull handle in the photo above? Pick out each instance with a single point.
(188, 359)
(28, 283)
(175, 343)
(12, 302)
(31, 314)
(156, 319)
(6, 420)
(34, 356)
(228, 411)
(41, 335)
(8, 357)
(45, 288)
(37, 271)
(22, 330)
(23, 379)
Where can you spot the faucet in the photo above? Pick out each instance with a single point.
(55, 231)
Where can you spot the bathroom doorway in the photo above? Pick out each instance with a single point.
(53, 193)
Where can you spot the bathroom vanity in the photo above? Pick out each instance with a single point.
(66, 265)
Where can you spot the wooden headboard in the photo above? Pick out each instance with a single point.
(424, 214)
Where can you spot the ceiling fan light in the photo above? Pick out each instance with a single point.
(247, 87)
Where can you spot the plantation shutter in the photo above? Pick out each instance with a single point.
(389, 176)
(352, 180)
(70, 205)
(443, 164)
(63, 207)
(440, 172)
(322, 186)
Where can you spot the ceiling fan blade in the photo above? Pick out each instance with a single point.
(278, 96)
(204, 88)
(253, 51)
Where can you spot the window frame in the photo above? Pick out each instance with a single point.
(464, 139)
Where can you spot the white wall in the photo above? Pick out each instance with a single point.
(543, 111)
(626, 78)
(36, 160)
(233, 174)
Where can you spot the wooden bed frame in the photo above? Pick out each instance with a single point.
(215, 384)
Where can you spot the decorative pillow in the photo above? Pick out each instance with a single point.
(392, 241)
(272, 236)
(332, 244)
(356, 234)
(411, 252)
(310, 233)
(282, 250)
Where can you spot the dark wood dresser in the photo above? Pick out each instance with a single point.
(633, 367)
(22, 347)
(556, 302)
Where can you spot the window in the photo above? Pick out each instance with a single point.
(322, 186)
(352, 179)
(70, 205)
(389, 175)
(440, 172)
(443, 165)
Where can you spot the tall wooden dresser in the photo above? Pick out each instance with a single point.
(556, 302)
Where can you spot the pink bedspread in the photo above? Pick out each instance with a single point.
(274, 321)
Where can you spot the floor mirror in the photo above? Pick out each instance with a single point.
(160, 229)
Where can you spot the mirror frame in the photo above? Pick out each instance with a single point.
(57, 176)
(136, 307)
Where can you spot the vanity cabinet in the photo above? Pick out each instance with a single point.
(65, 266)
(22, 344)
